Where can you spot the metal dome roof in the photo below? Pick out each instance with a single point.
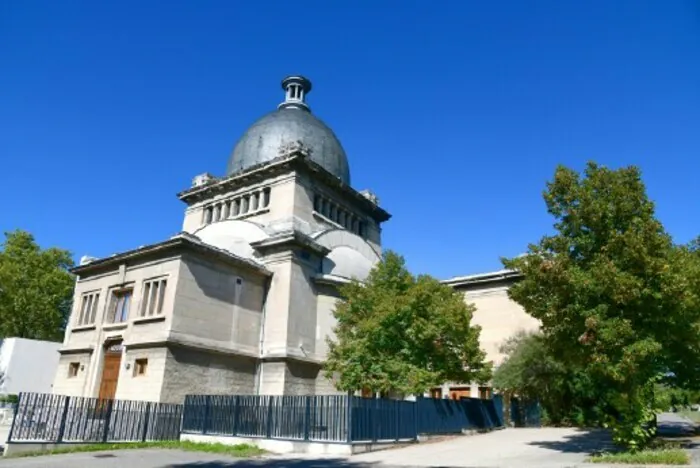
(291, 122)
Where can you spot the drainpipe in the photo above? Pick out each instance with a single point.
(266, 290)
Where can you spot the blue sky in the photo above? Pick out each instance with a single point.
(454, 113)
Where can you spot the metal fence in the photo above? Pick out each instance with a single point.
(48, 418)
(334, 418)
(314, 418)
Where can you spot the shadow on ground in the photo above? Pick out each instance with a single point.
(583, 441)
(272, 463)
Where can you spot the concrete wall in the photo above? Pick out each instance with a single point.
(281, 195)
(27, 365)
(192, 371)
(149, 386)
(218, 305)
(325, 322)
(499, 317)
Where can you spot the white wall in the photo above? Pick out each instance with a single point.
(28, 365)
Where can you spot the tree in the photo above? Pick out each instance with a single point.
(35, 288)
(532, 371)
(400, 333)
(612, 292)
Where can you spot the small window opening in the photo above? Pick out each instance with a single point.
(73, 369)
(140, 367)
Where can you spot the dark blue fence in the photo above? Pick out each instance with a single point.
(524, 413)
(335, 418)
(48, 418)
(441, 416)
(314, 418)
(383, 420)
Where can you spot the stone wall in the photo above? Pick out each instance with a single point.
(192, 371)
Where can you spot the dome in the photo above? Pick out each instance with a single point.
(291, 122)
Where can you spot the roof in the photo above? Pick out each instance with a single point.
(480, 278)
(292, 122)
(179, 242)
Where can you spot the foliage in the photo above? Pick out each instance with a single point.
(532, 371)
(238, 450)
(614, 296)
(11, 398)
(645, 457)
(400, 333)
(35, 288)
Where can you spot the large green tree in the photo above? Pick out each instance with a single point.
(613, 294)
(533, 371)
(35, 288)
(400, 333)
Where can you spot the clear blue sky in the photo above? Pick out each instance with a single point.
(454, 113)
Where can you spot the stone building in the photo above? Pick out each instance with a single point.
(241, 300)
(499, 318)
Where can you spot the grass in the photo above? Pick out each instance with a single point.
(240, 450)
(668, 456)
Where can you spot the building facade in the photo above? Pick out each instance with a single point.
(241, 300)
(499, 318)
(27, 365)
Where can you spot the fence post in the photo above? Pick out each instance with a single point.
(205, 422)
(108, 420)
(348, 416)
(144, 432)
(15, 416)
(397, 410)
(307, 417)
(64, 415)
(269, 416)
(415, 416)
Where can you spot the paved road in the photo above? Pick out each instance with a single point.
(507, 448)
(522, 448)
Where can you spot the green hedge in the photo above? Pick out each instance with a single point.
(9, 398)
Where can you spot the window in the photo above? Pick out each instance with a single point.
(153, 297)
(119, 305)
(73, 369)
(140, 367)
(266, 198)
(236, 209)
(208, 213)
(88, 308)
(485, 393)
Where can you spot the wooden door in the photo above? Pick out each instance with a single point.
(110, 372)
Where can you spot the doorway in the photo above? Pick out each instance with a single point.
(110, 370)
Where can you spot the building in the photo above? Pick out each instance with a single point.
(241, 300)
(499, 317)
(27, 365)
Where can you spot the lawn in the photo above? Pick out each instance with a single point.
(240, 450)
(671, 456)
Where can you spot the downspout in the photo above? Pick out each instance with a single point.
(266, 290)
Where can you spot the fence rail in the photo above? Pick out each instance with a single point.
(335, 418)
(47, 418)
